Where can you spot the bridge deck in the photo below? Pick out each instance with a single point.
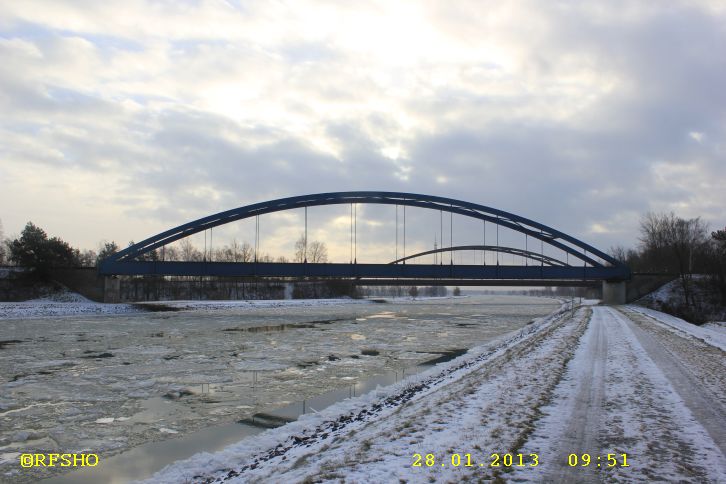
(370, 271)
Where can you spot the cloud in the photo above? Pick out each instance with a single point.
(581, 115)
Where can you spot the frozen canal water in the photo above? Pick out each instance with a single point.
(109, 383)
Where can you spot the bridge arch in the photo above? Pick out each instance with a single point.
(577, 249)
(533, 256)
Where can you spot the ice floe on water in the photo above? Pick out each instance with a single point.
(112, 382)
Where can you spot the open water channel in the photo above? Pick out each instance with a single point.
(144, 389)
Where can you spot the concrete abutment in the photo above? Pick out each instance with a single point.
(111, 289)
(614, 292)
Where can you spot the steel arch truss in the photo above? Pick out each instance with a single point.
(595, 264)
(534, 256)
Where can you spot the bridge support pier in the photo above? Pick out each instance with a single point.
(613, 292)
(111, 289)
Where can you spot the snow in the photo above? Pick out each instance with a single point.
(596, 402)
(72, 304)
(242, 304)
(388, 422)
(718, 326)
(589, 380)
(564, 384)
(671, 295)
(665, 293)
(45, 309)
(65, 296)
(670, 292)
(68, 303)
(193, 369)
(6, 270)
(711, 334)
(62, 303)
(654, 404)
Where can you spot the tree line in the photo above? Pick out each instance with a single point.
(186, 251)
(37, 251)
(401, 291)
(669, 244)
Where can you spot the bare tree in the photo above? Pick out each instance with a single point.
(169, 252)
(670, 243)
(234, 252)
(620, 253)
(687, 237)
(265, 258)
(310, 251)
(300, 249)
(2, 243)
(246, 253)
(653, 230)
(654, 241)
(317, 252)
(629, 257)
(719, 262)
(188, 252)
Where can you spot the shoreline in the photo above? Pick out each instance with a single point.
(77, 305)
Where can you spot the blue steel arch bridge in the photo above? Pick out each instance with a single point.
(578, 263)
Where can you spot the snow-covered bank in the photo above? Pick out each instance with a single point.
(670, 298)
(112, 383)
(64, 303)
(226, 305)
(713, 334)
(73, 304)
(283, 303)
(478, 403)
(564, 385)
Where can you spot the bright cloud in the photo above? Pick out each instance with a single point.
(136, 116)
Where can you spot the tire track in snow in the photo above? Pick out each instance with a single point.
(706, 407)
(649, 420)
(580, 434)
(484, 403)
(615, 399)
(608, 396)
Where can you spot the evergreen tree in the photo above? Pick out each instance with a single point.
(107, 249)
(39, 253)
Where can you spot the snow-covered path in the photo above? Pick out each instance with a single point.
(583, 388)
(650, 409)
(609, 383)
(480, 404)
(696, 371)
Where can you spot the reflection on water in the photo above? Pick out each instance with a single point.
(281, 327)
(142, 461)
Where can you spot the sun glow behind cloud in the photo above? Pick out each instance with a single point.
(170, 111)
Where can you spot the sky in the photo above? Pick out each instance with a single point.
(121, 119)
